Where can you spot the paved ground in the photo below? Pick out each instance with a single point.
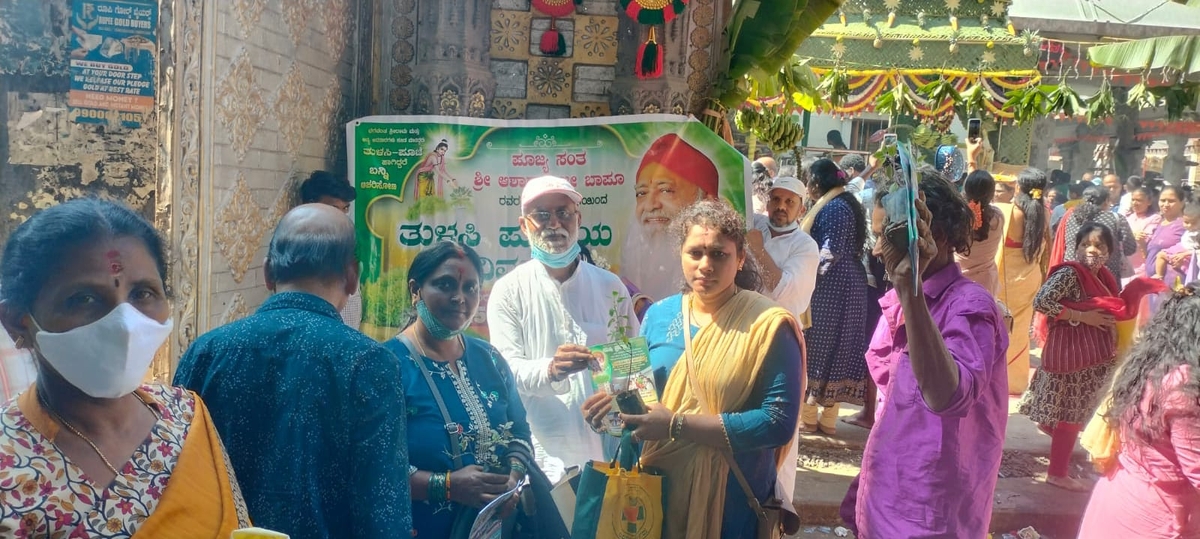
(827, 466)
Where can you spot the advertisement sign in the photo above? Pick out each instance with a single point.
(424, 179)
(113, 57)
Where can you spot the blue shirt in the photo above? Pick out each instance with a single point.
(309, 411)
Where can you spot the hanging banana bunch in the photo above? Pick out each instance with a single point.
(778, 131)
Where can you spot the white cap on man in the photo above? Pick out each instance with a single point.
(788, 183)
(547, 185)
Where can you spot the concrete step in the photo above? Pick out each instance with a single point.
(828, 464)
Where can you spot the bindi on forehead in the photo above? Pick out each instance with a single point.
(115, 266)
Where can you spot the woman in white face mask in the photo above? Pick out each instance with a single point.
(89, 449)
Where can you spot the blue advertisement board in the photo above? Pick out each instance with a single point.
(113, 57)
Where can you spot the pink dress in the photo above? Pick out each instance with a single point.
(1139, 224)
(1152, 493)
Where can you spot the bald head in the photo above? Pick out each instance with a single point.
(312, 243)
(769, 164)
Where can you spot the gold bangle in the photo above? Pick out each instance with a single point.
(676, 426)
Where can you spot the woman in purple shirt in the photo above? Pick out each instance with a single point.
(938, 357)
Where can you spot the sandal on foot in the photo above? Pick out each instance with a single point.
(1068, 483)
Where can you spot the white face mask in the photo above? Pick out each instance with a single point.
(108, 358)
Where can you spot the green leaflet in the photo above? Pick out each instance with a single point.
(1140, 97)
(1178, 99)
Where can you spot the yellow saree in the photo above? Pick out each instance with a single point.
(178, 484)
(1019, 283)
(728, 356)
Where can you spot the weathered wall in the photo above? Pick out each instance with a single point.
(45, 157)
(280, 83)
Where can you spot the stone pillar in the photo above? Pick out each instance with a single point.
(1174, 168)
(1043, 141)
(434, 57)
(691, 52)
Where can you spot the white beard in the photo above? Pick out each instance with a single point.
(650, 260)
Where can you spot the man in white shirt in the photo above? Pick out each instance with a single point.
(789, 257)
(544, 314)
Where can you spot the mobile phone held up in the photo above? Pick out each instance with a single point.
(974, 129)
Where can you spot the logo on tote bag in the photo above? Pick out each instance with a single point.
(634, 522)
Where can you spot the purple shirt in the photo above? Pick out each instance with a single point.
(929, 474)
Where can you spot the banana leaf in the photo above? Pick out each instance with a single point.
(1181, 53)
(761, 28)
(764, 35)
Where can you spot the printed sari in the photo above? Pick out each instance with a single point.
(177, 484)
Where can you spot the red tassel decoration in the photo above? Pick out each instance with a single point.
(649, 59)
(553, 43)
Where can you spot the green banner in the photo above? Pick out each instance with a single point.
(424, 179)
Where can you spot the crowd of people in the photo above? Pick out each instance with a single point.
(292, 420)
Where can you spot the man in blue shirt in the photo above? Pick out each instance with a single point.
(311, 411)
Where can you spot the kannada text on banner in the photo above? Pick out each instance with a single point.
(424, 179)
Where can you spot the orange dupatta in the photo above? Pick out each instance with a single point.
(202, 499)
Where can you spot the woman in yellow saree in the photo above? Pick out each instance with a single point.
(89, 451)
(1020, 264)
(729, 364)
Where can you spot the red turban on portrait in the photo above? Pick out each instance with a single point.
(683, 159)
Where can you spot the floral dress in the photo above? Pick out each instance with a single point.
(482, 399)
(43, 494)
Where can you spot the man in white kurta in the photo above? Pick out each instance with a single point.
(544, 313)
(793, 254)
